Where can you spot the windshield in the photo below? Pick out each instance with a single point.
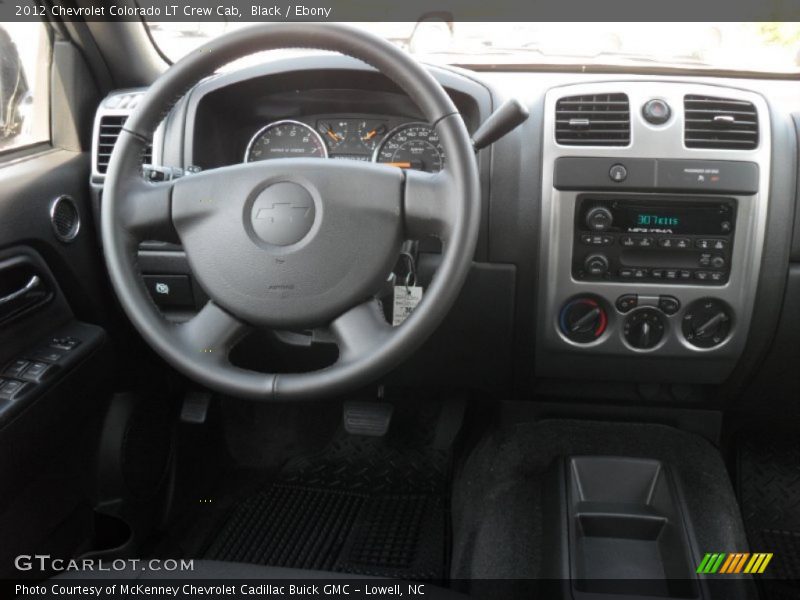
(761, 47)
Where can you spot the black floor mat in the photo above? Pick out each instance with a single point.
(769, 492)
(370, 506)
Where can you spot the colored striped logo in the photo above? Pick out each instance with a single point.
(736, 562)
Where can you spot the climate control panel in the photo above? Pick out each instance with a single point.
(644, 322)
(680, 241)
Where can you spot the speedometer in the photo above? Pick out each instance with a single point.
(411, 146)
(285, 139)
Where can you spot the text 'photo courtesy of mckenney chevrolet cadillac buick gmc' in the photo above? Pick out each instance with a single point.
(447, 300)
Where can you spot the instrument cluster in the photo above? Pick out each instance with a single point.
(407, 145)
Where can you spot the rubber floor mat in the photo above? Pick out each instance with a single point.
(769, 495)
(368, 506)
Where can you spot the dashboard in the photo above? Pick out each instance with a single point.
(635, 229)
(253, 115)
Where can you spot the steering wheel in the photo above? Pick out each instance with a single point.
(291, 243)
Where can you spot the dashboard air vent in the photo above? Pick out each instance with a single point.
(107, 134)
(719, 123)
(593, 120)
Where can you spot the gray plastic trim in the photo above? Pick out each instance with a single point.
(649, 141)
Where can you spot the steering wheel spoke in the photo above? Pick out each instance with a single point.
(428, 202)
(359, 330)
(146, 210)
(212, 333)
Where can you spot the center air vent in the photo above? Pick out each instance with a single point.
(720, 123)
(593, 120)
(107, 134)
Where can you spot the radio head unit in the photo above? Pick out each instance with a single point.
(680, 240)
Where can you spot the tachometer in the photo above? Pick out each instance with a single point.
(285, 139)
(411, 146)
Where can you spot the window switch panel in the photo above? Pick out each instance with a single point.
(16, 368)
(37, 371)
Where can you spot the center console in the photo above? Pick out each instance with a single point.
(652, 230)
(619, 529)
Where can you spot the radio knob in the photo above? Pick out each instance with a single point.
(599, 218)
(596, 265)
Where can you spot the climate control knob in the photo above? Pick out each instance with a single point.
(644, 328)
(707, 323)
(599, 218)
(583, 320)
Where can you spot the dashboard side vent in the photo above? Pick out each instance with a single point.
(593, 120)
(107, 133)
(719, 123)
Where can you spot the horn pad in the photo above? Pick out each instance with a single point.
(291, 242)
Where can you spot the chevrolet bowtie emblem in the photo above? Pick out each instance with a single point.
(283, 212)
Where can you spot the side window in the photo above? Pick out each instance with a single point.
(24, 84)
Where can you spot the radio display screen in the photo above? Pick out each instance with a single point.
(708, 219)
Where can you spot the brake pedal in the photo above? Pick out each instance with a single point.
(367, 418)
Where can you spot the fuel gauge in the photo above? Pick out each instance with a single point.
(370, 133)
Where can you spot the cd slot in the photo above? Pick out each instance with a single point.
(661, 258)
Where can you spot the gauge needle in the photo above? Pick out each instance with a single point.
(402, 165)
(370, 135)
(333, 135)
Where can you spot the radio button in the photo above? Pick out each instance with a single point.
(626, 273)
(717, 275)
(645, 242)
(588, 239)
(670, 274)
(628, 241)
(707, 244)
(685, 274)
(705, 259)
(640, 273)
(683, 243)
(701, 275)
(657, 273)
